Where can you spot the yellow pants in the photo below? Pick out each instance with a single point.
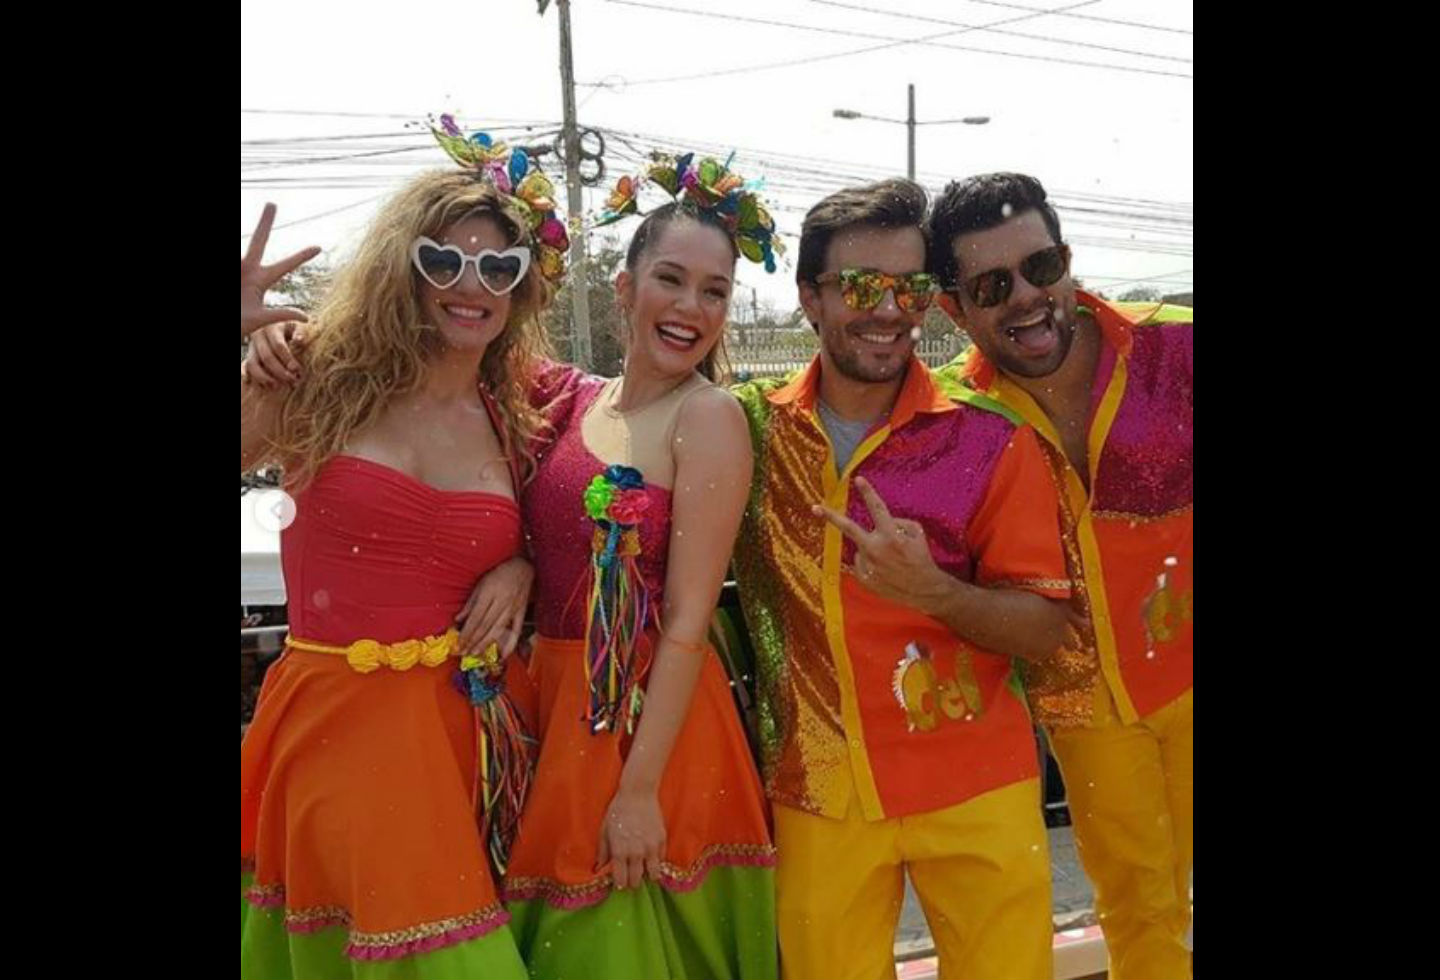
(1131, 790)
(981, 870)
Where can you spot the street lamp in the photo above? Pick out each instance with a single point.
(910, 124)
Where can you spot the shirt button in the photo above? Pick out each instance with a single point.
(854, 743)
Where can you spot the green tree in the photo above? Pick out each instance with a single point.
(305, 287)
(600, 271)
(1140, 294)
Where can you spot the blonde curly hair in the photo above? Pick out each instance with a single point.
(365, 347)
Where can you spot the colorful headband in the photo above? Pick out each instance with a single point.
(518, 178)
(708, 186)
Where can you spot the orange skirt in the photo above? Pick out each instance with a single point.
(710, 794)
(356, 806)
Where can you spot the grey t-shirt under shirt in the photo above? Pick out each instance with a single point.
(845, 436)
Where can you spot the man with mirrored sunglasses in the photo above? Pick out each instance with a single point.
(899, 548)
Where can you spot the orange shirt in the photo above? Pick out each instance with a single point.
(1130, 538)
(857, 693)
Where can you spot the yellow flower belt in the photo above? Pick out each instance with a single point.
(363, 656)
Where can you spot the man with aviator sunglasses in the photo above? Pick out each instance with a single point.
(1113, 400)
(899, 548)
